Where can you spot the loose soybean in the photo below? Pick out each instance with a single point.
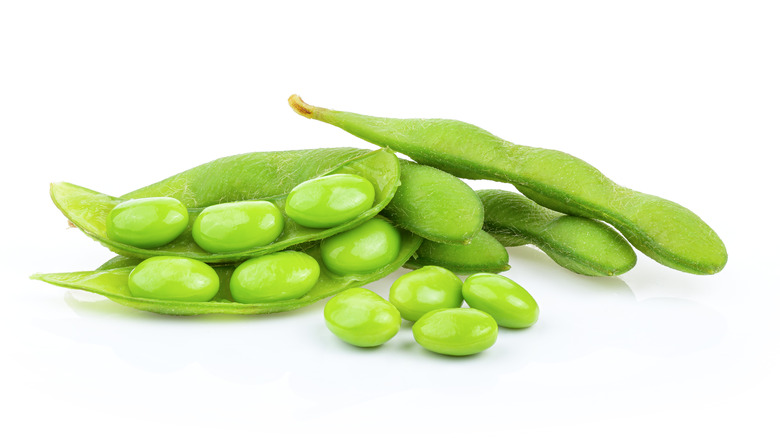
(363, 249)
(361, 317)
(147, 222)
(456, 332)
(330, 200)
(237, 226)
(429, 288)
(667, 232)
(173, 279)
(506, 301)
(285, 275)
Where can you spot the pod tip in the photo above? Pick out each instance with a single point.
(300, 107)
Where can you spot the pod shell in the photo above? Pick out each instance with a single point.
(456, 332)
(285, 275)
(173, 279)
(330, 200)
(429, 288)
(363, 249)
(147, 222)
(506, 301)
(361, 317)
(237, 226)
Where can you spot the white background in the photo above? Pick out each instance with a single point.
(678, 99)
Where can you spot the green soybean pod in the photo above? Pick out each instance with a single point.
(173, 279)
(329, 200)
(435, 205)
(229, 180)
(429, 288)
(456, 332)
(285, 275)
(483, 254)
(237, 226)
(506, 301)
(362, 318)
(667, 232)
(111, 281)
(582, 245)
(147, 222)
(363, 249)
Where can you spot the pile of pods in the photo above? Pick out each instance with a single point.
(270, 232)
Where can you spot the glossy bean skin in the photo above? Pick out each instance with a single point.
(435, 205)
(456, 332)
(429, 288)
(483, 254)
(204, 185)
(329, 200)
(503, 299)
(362, 318)
(285, 275)
(665, 231)
(111, 281)
(582, 245)
(147, 222)
(237, 226)
(363, 249)
(173, 279)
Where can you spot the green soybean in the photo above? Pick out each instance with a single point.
(173, 279)
(582, 245)
(330, 200)
(483, 254)
(429, 288)
(435, 205)
(202, 186)
(456, 332)
(667, 232)
(237, 226)
(147, 223)
(506, 301)
(361, 317)
(111, 281)
(363, 249)
(285, 275)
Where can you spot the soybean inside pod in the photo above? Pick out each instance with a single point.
(110, 281)
(665, 231)
(262, 175)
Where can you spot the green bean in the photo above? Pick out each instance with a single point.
(435, 205)
(665, 231)
(456, 332)
(88, 209)
(483, 254)
(110, 280)
(582, 245)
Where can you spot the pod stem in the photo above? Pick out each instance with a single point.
(301, 107)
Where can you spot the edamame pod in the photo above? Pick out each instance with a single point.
(110, 280)
(88, 209)
(483, 254)
(435, 205)
(582, 245)
(667, 232)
